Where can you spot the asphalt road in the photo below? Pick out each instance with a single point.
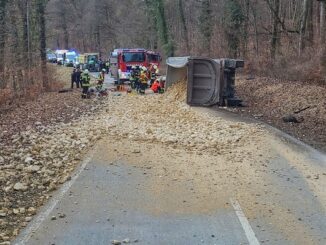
(109, 81)
(106, 203)
(115, 200)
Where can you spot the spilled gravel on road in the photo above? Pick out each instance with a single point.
(218, 154)
(41, 158)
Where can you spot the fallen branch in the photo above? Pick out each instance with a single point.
(301, 110)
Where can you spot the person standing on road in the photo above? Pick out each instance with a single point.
(107, 67)
(100, 80)
(137, 78)
(85, 82)
(143, 80)
(101, 76)
(133, 77)
(73, 78)
(78, 77)
(153, 70)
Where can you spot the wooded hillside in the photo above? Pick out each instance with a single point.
(283, 38)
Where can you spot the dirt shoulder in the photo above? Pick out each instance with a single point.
(270, 100)
(40, 145)
(47, 109)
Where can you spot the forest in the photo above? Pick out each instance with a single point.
(277, 38)
(105, 138)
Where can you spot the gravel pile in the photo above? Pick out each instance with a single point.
(35, 161)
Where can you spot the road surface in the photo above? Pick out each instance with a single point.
(147, 193)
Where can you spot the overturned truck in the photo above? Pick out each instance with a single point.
(209, 81)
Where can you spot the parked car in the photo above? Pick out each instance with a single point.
(51, 58)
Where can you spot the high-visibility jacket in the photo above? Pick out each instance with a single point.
(143, 77)
(153, 75)
(137, 74)
(155, 86)
(132, 75)
(85, 80)
(101, 77)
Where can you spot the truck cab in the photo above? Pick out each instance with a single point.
(154, 58)
(71, 59)
(121, 61)
(89, 61)
(61, 56)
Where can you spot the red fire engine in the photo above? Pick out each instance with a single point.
(121, 61)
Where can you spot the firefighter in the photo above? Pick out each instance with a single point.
(156, 86)
(143, 80)
(162, 85)
(137, 78)
(153, 73)
(73, 78)
(133, 77)
(85, 82)
(101, 76)
(107, 67)
(78, 77)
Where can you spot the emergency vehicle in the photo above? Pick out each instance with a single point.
(153, 58)
(121, 61)
(89, 61)
(61, 56)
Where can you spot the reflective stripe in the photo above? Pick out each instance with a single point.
(85, 80)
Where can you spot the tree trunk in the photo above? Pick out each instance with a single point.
(41, 4)
(310, 23)
(3, 4)
(98, 39)
(205, 26)
(275, 29)
(254, 14)
(65, 34)
(303, 26)
(184, 24)
(322, 40)
(24, 8)
(246, 28)
(322, 23)
(162, 27)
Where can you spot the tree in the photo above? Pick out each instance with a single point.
(322, 22)
(206, 25)
(24, 8)
(159, 14)
(275, 9)
(3, 4)
(233, 21)
(184, 24)
(306, 4)
(41, 5)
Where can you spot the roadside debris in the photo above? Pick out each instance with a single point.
(278, 99)
(115, 242)
(290, 119)
(36, 160)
